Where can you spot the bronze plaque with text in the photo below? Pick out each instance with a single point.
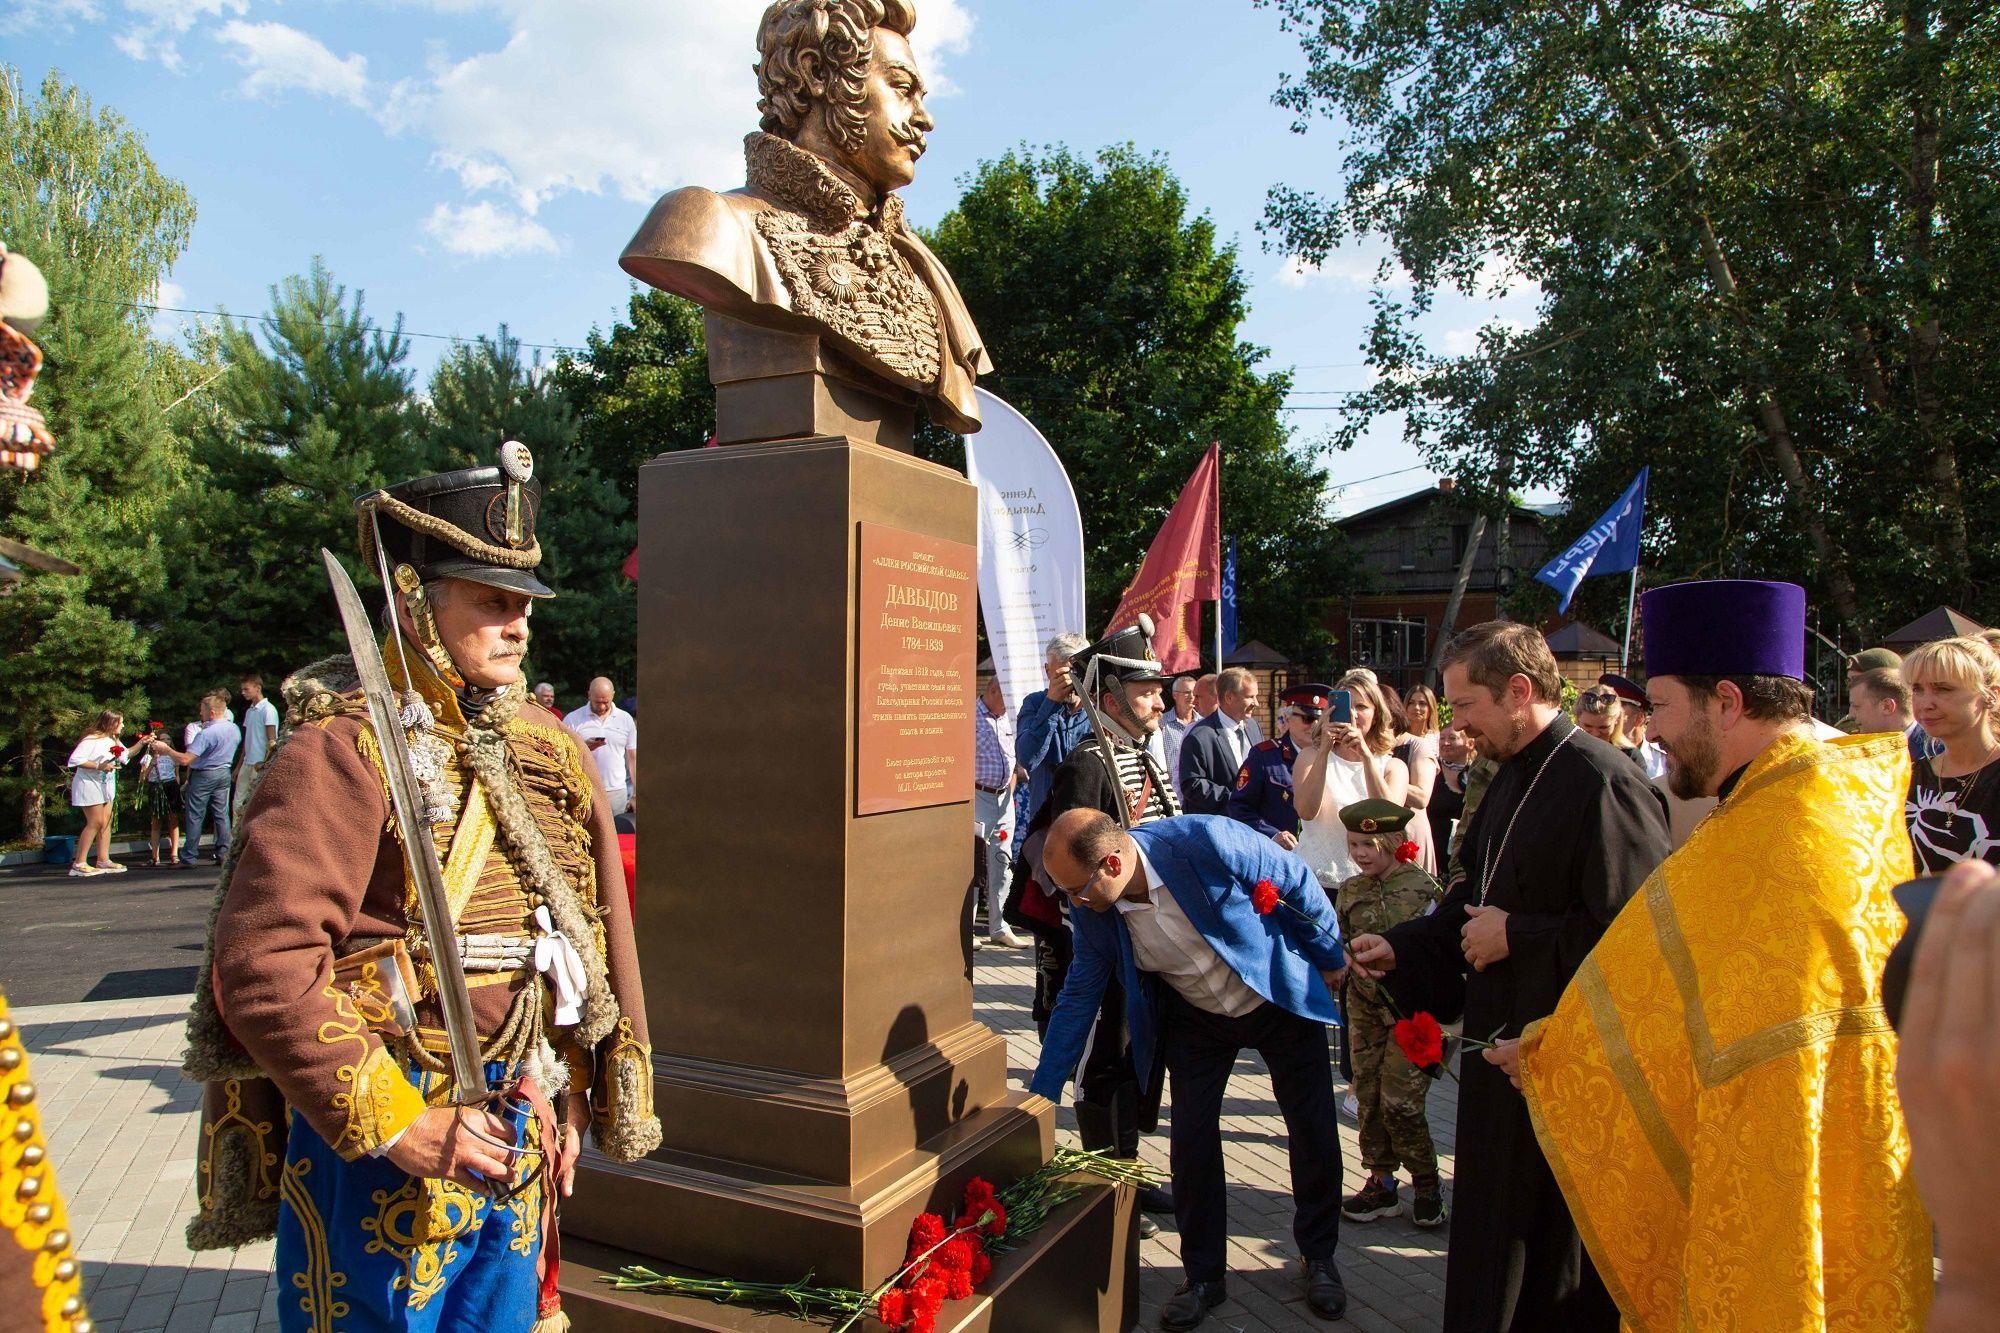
(914, 671)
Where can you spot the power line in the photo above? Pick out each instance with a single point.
(268, 322)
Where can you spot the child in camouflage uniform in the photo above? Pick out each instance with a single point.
(1389, 1089)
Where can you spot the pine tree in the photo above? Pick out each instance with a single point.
(311, 408)
(80, 197)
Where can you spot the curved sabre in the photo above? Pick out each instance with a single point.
(468, 1072)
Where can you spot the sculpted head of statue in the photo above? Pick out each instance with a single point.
(838, 78)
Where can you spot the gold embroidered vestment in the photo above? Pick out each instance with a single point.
(1715, 1092)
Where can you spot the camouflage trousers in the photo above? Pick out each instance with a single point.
(1390, 1092)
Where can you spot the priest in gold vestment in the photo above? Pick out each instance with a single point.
(1715, 1092)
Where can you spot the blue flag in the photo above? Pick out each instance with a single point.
(1610, 547)
(1228, 602)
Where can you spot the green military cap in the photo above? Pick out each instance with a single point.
(1874, 659)
(1375, 815)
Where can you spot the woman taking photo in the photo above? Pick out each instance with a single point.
(93, 767)
(1419, 753)
(1954, 805)
(1348, 762)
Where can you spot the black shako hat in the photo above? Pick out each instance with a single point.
(1123, 657)
(477, 523)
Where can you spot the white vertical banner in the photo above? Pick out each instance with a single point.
(1030, 545)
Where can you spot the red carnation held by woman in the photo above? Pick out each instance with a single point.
(1264, 897)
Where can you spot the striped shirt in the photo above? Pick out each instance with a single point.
(1139, 772)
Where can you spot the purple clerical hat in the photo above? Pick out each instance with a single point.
(1725, 627)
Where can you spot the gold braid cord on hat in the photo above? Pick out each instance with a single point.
(416, 520)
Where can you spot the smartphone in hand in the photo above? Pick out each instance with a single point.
(1341, 707)
(595, 742)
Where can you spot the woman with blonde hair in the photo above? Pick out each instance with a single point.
(93, 784)
(1954, 803)
(1419, 752)
(1347, 762)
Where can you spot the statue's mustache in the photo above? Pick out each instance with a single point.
(910, 136)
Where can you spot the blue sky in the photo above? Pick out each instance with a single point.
(473, 162)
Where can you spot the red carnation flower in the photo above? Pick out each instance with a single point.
(982, 1268)
(925, 1232)
(1002, 836)
(1406, 851)
(1264, 897)
(117, 751)
(894, 1307)
(1421, 1041)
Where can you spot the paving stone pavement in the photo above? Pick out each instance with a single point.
(122, 1123)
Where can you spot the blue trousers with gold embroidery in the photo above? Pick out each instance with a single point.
(363, 1247)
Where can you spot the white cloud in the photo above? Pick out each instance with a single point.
(147, 29)
(640, 97)
(485, 231)
(282, 59)
(1465, 341)
(1360, 269)
(168, 323)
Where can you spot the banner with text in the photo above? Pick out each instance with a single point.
(1030, 545)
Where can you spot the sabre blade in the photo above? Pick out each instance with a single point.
(440, 931)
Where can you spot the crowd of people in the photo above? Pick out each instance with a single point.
(1658, 911)
(203, 785)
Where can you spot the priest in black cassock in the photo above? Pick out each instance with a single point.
(1566, 833)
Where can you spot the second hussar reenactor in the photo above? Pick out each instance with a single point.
(1389, 1090)
(394, 1208)
(1115, 771)
(1263, 795)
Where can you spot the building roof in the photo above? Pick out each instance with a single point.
(1535, 511)
(1938, 623)
(1256, 653)
(1577, 639)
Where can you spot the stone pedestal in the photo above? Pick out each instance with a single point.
(817, 1069)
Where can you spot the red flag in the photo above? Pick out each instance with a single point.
(631, 569)
(1182, 569)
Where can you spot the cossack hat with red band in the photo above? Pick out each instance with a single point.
(1308, 701)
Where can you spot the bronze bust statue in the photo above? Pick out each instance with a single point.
(815, 242)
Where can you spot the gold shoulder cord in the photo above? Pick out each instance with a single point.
(31, 1213)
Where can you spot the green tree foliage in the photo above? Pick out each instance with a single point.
(638, 391)
(1765, 234)
(81, 198)
(483, 393)
(307, 408)
(1112, 319)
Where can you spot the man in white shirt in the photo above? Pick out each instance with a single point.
(1173, 727)
(613, 738)
(260, 733)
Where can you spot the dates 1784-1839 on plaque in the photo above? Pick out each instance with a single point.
(913, 732)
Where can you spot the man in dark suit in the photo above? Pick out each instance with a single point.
(1217, 746)
(1173, 913)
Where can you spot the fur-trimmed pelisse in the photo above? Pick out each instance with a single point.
(237, 1204)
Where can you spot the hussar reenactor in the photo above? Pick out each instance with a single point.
(442, 1015)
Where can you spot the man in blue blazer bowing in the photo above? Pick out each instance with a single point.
(1173, 914)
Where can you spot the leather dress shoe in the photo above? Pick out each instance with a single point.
(1190, 1304)
(1325, 1293)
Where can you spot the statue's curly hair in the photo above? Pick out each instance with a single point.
(840, 34)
